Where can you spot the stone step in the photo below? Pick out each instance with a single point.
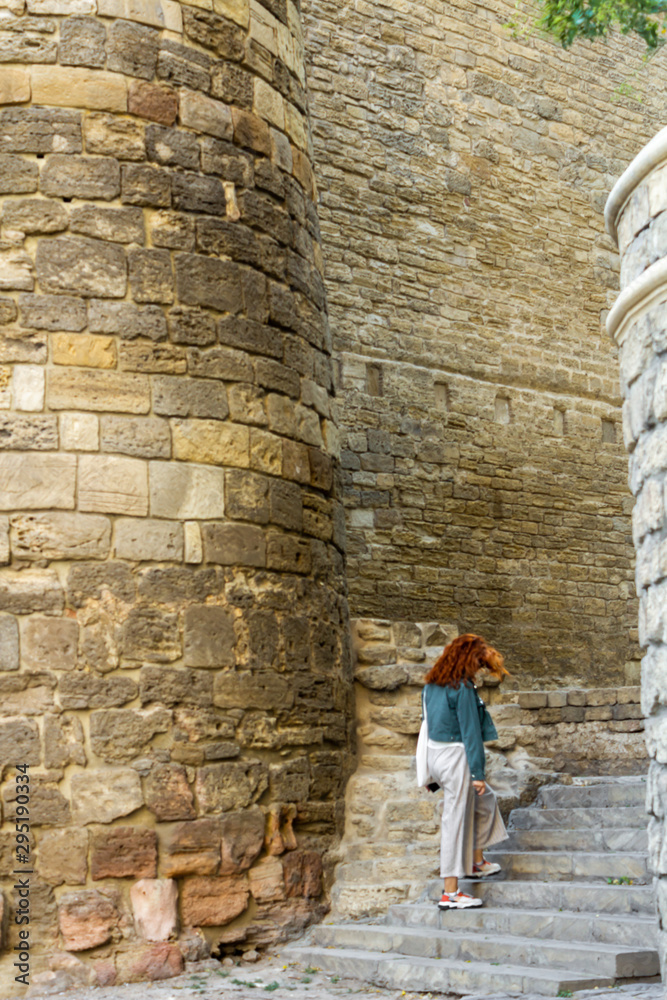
(532, 818)
(595, 958)
(559, 865)
(617, 792)
(577, 897)
(577, 840)
(433, 975)
(626, 931)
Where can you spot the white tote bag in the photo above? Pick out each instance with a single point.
(423, 776)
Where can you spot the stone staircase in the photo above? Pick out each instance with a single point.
(573, 909)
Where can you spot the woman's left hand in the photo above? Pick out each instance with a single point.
(479, 786)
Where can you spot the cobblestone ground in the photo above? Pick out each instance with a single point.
(280, 977)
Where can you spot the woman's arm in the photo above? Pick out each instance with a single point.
(471, 731)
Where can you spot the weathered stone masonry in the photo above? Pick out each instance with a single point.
(171, 592)
(462, 177)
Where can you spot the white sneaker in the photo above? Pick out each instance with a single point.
(458, 901)
(486, 868)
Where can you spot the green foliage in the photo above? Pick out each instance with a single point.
(564, 993)
(568, 20)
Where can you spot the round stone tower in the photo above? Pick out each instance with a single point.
(172, 613)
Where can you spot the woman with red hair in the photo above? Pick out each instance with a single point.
(458, 724)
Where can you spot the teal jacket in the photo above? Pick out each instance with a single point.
(458, 715)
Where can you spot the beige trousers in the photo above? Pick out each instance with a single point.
(469, 820)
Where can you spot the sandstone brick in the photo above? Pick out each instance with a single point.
(67, 176)
(184, 66)
(148, 539)
(98, 390)
(53, 312)
(234, 545)
(82, 42)
(157, 13)
(197, 193)
(9, 643)
(63, 742)
(179, 397)
(49, 643)
(151, 634)
(203, 281)
(89, 268)
(86, 919)
(145, 185)
(210, 441)
(29, 591)
(242, 838)
(288, 553)
(191, 326)
(63, 856)
(185, 491)
(212, 901)
(236, 10)
(22, 345)
(16, 270)
(153, 102)
(21, 736)
(192, 849)
(110, 135)
(132, 49)
(175, 686)
(88, 581)
(173, 230)
(35, 480)
(60, 536)
(172, 147)
(303, 874)
(83, 349)
(194, 552)
(230, 785)
(150, 962)
(247, 497)
(34, 215)
(168, 794)
(79, 432)
(266, 880)
(261, 690)
(112, 484)
(251, 131)
(120, 734)
(143, 437)
(74, 87)
(154, 906)
(123, 852)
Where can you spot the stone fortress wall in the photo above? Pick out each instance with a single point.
(462, 176)
(173, 623)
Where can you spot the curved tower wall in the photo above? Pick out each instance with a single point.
(172, 611)
(636, 216)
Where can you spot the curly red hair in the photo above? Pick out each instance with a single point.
(462, 658)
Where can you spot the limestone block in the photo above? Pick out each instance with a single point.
(87, 690)
(4, 540)
(113, 484)
(52, 312)
(231, 785)
(86, 919)
(209, 637)
(63, 856)
(25, 592)
(288, 553)
(151, 634)
(34, 215)
(17, 175)
(192, 849)
(303, 874)
(206, 281)
(154, 102)
(123, 852)
(60, 536)
(236, 10)
(9, 643)
(49, 643)
(14, 85)
(185, 491)
(203, 114)
(74, 87)
(102, 796)
(143, 437)
(220, 362)
(263, 690)
(213, 901)
(179, 397)
(37, 480)
(173, 230)
(151, 278)
(19, 740)
(154, 906)
(22, 345)
(120, 734)
(88, 267)
(28, 388)
(194, 552)
(63, 741)
(150, 962)
(120, 225)
(82, 42)
(143, 357)
(110, 135)
(234, 544)
(174, 687)
(148, 539)
(382, 678)
(242, 839)
(210, 441)
(16, 270)
(290, 781)
(168, 794)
